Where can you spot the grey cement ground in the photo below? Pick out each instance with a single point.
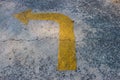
(30, 52)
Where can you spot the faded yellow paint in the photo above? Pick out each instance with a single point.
(66, 51)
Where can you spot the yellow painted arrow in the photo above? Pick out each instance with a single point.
(66, 51)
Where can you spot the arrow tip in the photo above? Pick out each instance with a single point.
(23, 16)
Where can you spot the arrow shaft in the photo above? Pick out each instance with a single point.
(42, 16)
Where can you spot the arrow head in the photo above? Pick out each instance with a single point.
(23, 16)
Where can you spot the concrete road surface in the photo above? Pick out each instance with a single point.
(30, 52)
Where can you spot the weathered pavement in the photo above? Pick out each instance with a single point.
(29, 52)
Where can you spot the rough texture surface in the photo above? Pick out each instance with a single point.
(30, 52)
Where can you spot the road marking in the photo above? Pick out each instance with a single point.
(66, 51)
